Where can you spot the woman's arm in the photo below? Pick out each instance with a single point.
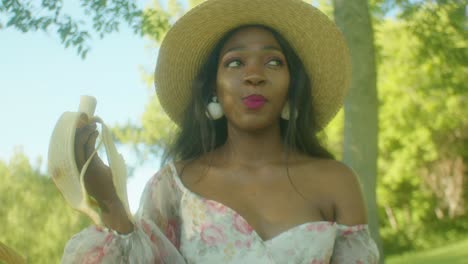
(353, 243)
(154, 238)
(349, 205)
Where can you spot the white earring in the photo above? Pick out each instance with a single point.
(214, 110)
(285, 114)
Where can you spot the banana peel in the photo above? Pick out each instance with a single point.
(62, 163)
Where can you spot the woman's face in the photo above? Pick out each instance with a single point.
(252, 80)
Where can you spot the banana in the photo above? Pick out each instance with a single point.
(62, 165)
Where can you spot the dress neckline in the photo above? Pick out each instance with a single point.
(277, 236)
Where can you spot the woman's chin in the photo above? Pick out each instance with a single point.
(255, 123)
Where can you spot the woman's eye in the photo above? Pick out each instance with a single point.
(275, 62)
(233, 63)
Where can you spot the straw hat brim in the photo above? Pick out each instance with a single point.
(313, 36)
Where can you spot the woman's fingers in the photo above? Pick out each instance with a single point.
(79, 150)
(91, 143)
(85, 138)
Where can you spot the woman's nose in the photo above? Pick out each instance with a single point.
(254, 76)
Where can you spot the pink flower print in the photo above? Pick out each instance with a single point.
(321, 227)
(310, 227)
(248, 244)
(108, 238)
(172, 231)
(317, 226)
(238, 243)
(241, 225)
(317, 261)
(212, 235)
(147, 230)
(348, 231)
(241, 244)
(351, 229)
(215, 206)
(94, 256)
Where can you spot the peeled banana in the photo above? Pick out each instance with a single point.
(62, 164)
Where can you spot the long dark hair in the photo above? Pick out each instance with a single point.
(198, 135)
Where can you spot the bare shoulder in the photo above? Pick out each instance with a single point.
(337, 174)
(180, 165)
(342, 186)
(190, 170)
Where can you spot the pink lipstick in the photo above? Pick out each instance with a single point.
(254, 101)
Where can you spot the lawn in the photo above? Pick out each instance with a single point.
(455, 253)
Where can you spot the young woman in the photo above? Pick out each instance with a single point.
(250, 83)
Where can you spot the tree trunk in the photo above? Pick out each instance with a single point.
(361, 113)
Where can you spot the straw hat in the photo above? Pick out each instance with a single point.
(313, 36)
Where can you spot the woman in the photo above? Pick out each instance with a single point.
(249, 83)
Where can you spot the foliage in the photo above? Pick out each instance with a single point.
(454, 253)
(35, 219)
(105, 17)
(152, 135)
(423, 127)
(156, 130)
(422, 59)
(332, 136)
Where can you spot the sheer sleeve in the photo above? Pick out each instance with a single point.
(156, 237)
(354, 244)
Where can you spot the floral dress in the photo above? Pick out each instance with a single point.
(175, 225)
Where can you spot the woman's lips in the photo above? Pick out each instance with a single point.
(254, 101)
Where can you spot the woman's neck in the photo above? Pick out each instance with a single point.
(252, 149)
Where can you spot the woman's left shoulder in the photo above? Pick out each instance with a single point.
(334, 171)
(329, 170)
(343, 187)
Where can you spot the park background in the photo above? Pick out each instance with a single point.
(404, 127)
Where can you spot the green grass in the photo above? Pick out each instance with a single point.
(454, 253)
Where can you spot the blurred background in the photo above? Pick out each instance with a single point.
(404, 127)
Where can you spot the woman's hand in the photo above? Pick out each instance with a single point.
(98, 176)
(98, 179)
